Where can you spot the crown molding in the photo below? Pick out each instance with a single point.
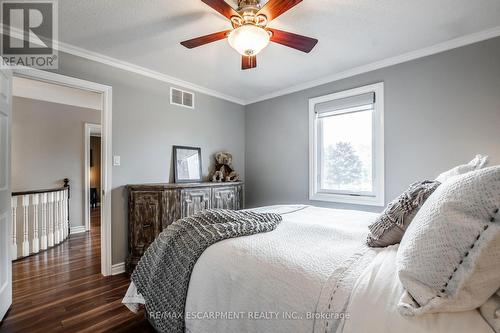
(110, 61)
(427, 51)
(127, 66)
(424, 52)
(124, 65)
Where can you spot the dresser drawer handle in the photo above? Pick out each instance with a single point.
(144, 226)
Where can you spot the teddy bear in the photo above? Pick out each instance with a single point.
(224, 171)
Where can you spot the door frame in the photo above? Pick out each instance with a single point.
(6, 217)
(106, 148)
(90, 131)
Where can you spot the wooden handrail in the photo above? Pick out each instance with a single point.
(57, 189)
(16, 194)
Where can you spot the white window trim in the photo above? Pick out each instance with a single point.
(378, 149)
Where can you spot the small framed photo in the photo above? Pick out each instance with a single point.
(187, 164)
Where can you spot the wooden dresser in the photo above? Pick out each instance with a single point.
(152, 207)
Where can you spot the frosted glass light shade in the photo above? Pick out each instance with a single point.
(248, 39)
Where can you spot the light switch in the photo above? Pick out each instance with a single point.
(116, 160)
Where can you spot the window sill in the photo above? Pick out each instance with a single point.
(349, 199)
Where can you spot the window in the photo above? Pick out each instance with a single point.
(347, 146)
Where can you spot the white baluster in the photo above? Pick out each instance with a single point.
(61, 216)
(26, 243)
(13, 250)
(43, 237)
(56, 219)
(63, 223)
(57, 240)
(35, 245)
(50, 236)
(66, 214)
(59, 213)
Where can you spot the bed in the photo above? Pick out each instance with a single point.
(314, 273)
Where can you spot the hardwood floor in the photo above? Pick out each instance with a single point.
(62, 290)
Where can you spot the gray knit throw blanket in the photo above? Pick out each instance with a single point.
(163, 273)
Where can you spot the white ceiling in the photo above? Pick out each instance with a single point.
(351, 33)
(54, 93)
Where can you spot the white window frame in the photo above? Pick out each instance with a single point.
(378, 196)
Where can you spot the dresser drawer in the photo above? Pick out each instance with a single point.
(226, 198)
(194, 201)
(145, 220)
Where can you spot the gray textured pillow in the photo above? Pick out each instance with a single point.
(449, 258)
(390, 227)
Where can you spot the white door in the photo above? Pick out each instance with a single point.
(5, 192)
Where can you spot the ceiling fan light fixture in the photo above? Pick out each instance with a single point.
(250, 34)
(249, 39)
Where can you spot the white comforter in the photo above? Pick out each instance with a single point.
(271, 275)
(374, 299)
(276, 281)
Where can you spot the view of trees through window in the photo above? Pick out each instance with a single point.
(346, 152)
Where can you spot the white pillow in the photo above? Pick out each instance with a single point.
(449, 257)
(477, 163)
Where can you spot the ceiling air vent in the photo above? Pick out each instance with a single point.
(181, 98)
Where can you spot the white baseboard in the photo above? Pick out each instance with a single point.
(118, 268)
(77, 230)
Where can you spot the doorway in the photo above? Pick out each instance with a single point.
(106, 154)
(92, 167)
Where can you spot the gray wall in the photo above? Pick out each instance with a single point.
(439, 111)
(48, 146)
(145, 126)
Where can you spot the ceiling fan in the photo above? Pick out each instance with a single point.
(250, 33)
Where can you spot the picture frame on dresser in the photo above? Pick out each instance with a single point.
(187, 164)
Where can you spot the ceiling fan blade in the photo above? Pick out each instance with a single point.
(222, 7)
(298, 42)
(248, 62)
(275, 8)
(195, 42)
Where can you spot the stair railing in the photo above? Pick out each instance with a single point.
(40, 220)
